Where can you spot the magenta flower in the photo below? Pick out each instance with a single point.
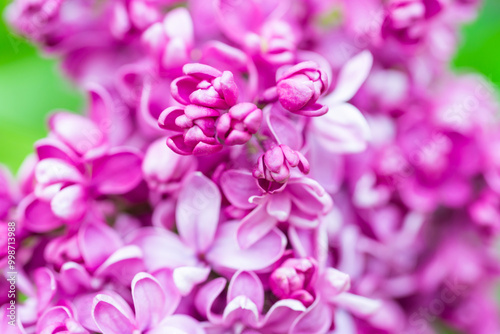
(294, 279)
(198, 128)
(154, 307)
(197, 214)
(164, 170)
(407, 19)
(219, 231)
(65, 187)
(237, 126)
(205, 86)
(274, 167)
(244, 306)
(299, 87)
(171, 40)
(301, 203)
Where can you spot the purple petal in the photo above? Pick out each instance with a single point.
(70, 203)
(73, 278)
(284, 130)
(177, 144)
(76, 131)
(279, 206)
(254, 226)
(53, 148)
(178, 323)
(178, 24)
(168, 117)
(50, 171)
(309, 196)
(54, 315)
(149, 301)
(234, 19)
(113, 316)
(97, 242)
(38, 216)
(117, 173)
(247, 284)
(197, 211)
(351, 77)
(316, 320)
(281, 315)
(238, 186)
(241, 310)
(186, 278)
(206, 297)
(201, 71)
(313, 110)
(358, 305)
(182, 87)
(46, 287)
(226, 253)
(342, 130)
(163, 249)
(122, 265)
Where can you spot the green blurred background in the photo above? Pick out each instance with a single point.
(31, 84)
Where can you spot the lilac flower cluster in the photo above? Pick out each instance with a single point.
(249, 166)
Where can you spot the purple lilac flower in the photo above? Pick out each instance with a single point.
(179, 203)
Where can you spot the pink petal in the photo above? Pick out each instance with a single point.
(335, 282)
(117, 173)
(165, 277)
(279, 206)
(358, 305)
(163, 249)
(122, 265)
(316, 320)
(206, 296)
(350, 78)
(187, 278)
(177, 144)
(254, 226)
(309, 196)
(178, 323)
(38, 216)
(281, 315)
(241, 310)
(282, 129)
(97, 241)
(168, 117)
(342, 130)
(226, 253)
(113, 316)
(73, 278)
(178, 24)
(149, 301)
(50, 171)
(304, 242)
(76, 131)
(70, 203)
(54, 315)
(238, 186)
(53, 148)
(46, 287)
(182, 87)
(197, 212)
(201, 71)
(247, 284)
(234, 20)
